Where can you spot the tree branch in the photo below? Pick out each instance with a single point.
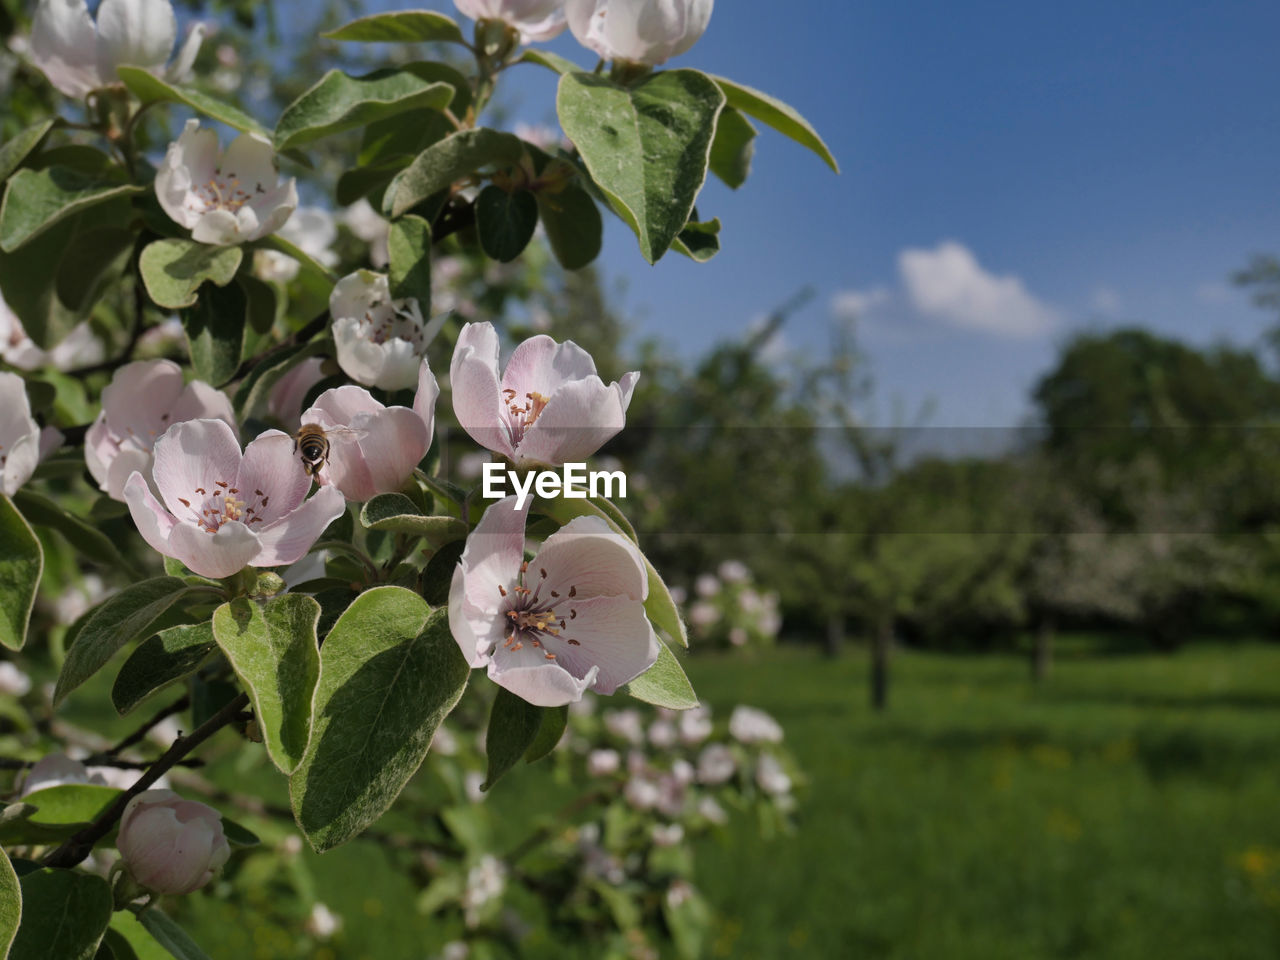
(81, 845)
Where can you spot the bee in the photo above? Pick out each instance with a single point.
(312, 445)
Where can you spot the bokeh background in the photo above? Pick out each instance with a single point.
(987, 420)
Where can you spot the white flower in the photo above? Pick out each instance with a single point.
(313, 231)
(770, 776)
(734, 571)
(485, 881)
(695, 726)
(78, 56)
(535, 20)
(749, 725)
(471, 784)
(711, 811)
(662, 734)
(79, 348)
(170, 845)
(642, 31)
(706, 585)
(22, 443)
(12, 680)
(625, 724)
(322, 923)
(603, 763)
(684, 772)
(703, 615)
(715, 764)
(368, 225)
(380, 341)
(666, 834)
(56, 770)
(224, 197)
(642, 793)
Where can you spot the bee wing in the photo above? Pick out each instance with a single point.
(349, 434)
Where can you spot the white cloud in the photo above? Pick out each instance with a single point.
(856, 304)
(949, 284)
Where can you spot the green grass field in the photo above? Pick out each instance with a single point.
(1130, 807)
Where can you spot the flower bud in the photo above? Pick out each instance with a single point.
(170, 845)
(641, 31)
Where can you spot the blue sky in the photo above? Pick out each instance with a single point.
(1011, 172)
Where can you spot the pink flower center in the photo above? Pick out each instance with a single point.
(533, 617)
(521, 416)
(222, 192)
(211, 510)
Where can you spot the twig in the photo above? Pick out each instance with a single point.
(81, 844)
(136, 737)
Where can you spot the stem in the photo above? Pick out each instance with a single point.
(136, 737)
(81, 844)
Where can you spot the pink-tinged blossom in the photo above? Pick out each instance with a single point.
(749, 725)
(662, 733)
(642, 31)
(548, 407)
(373, 449)
(143, 400)
(170, 845)
(535, 20)
(603, 763)
(716, 764)
(285, 399)
(79, 56)
(224, 510)
(13, 681)
(224, 197)
(625, 724)
(695, 726)
(666, 834)
(379, 341)
(770, 777)
(711, 811)
(569, 620)
(22, 443)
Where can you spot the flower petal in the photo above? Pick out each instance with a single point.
(249, 164)
(180, 70)
(139, 398)
(190, 161)
(192, 455)
(477, 388)
(129, 459)
(359, 357)
(579, 418)
(272, 209)
(477, 630)
(217, 227)
(64, 46)
(541, 684)
(590, 556)
(153, 521)
(540, 365)
(344, 404)
(287, 540)
(139, 33)
(199, 401)
(613, 634)
(272, 471)
(220, 554)
(392, 443)
(424, 400)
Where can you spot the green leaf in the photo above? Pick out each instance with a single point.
(646, 146)
(160, 660)
(126, 616)
(396, 513)
(505, 221)
(91, 261)
(698, 241)
(10, 904)
(171, 936)
(87, 539)
(70, 804)
(454, 157)
(116, 947)
(513, 727)
(272, 647)
(149, 88)
(661, 609)
(400, 26)
(437, 576)
(64, 915)
(252, 395)
(173, 270)
(552, 61)
(390, 672)
(341, 102)
(21, 563)
(733, 147)
(573, 224)
(127, 926)
(664, 684)
(215, 329)
(37, 199)
(404, 137)
(260, 303)
(19, 148)
(239, 835)
(409, 245)
(775, 113)
(554, 721)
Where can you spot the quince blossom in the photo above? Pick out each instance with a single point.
(373, 448)
(143, 400)
(313, 230)
(79, 348)
(78, 56)
(549, 406)
(22, 443)
(170, 845)
(224, 197)
(535, 20)
(224, 510)
(640, 31)
(569, 620)
(379, 341)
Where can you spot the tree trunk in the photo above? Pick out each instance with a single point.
(835, 635)
(880, 645)
(1042, 649)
